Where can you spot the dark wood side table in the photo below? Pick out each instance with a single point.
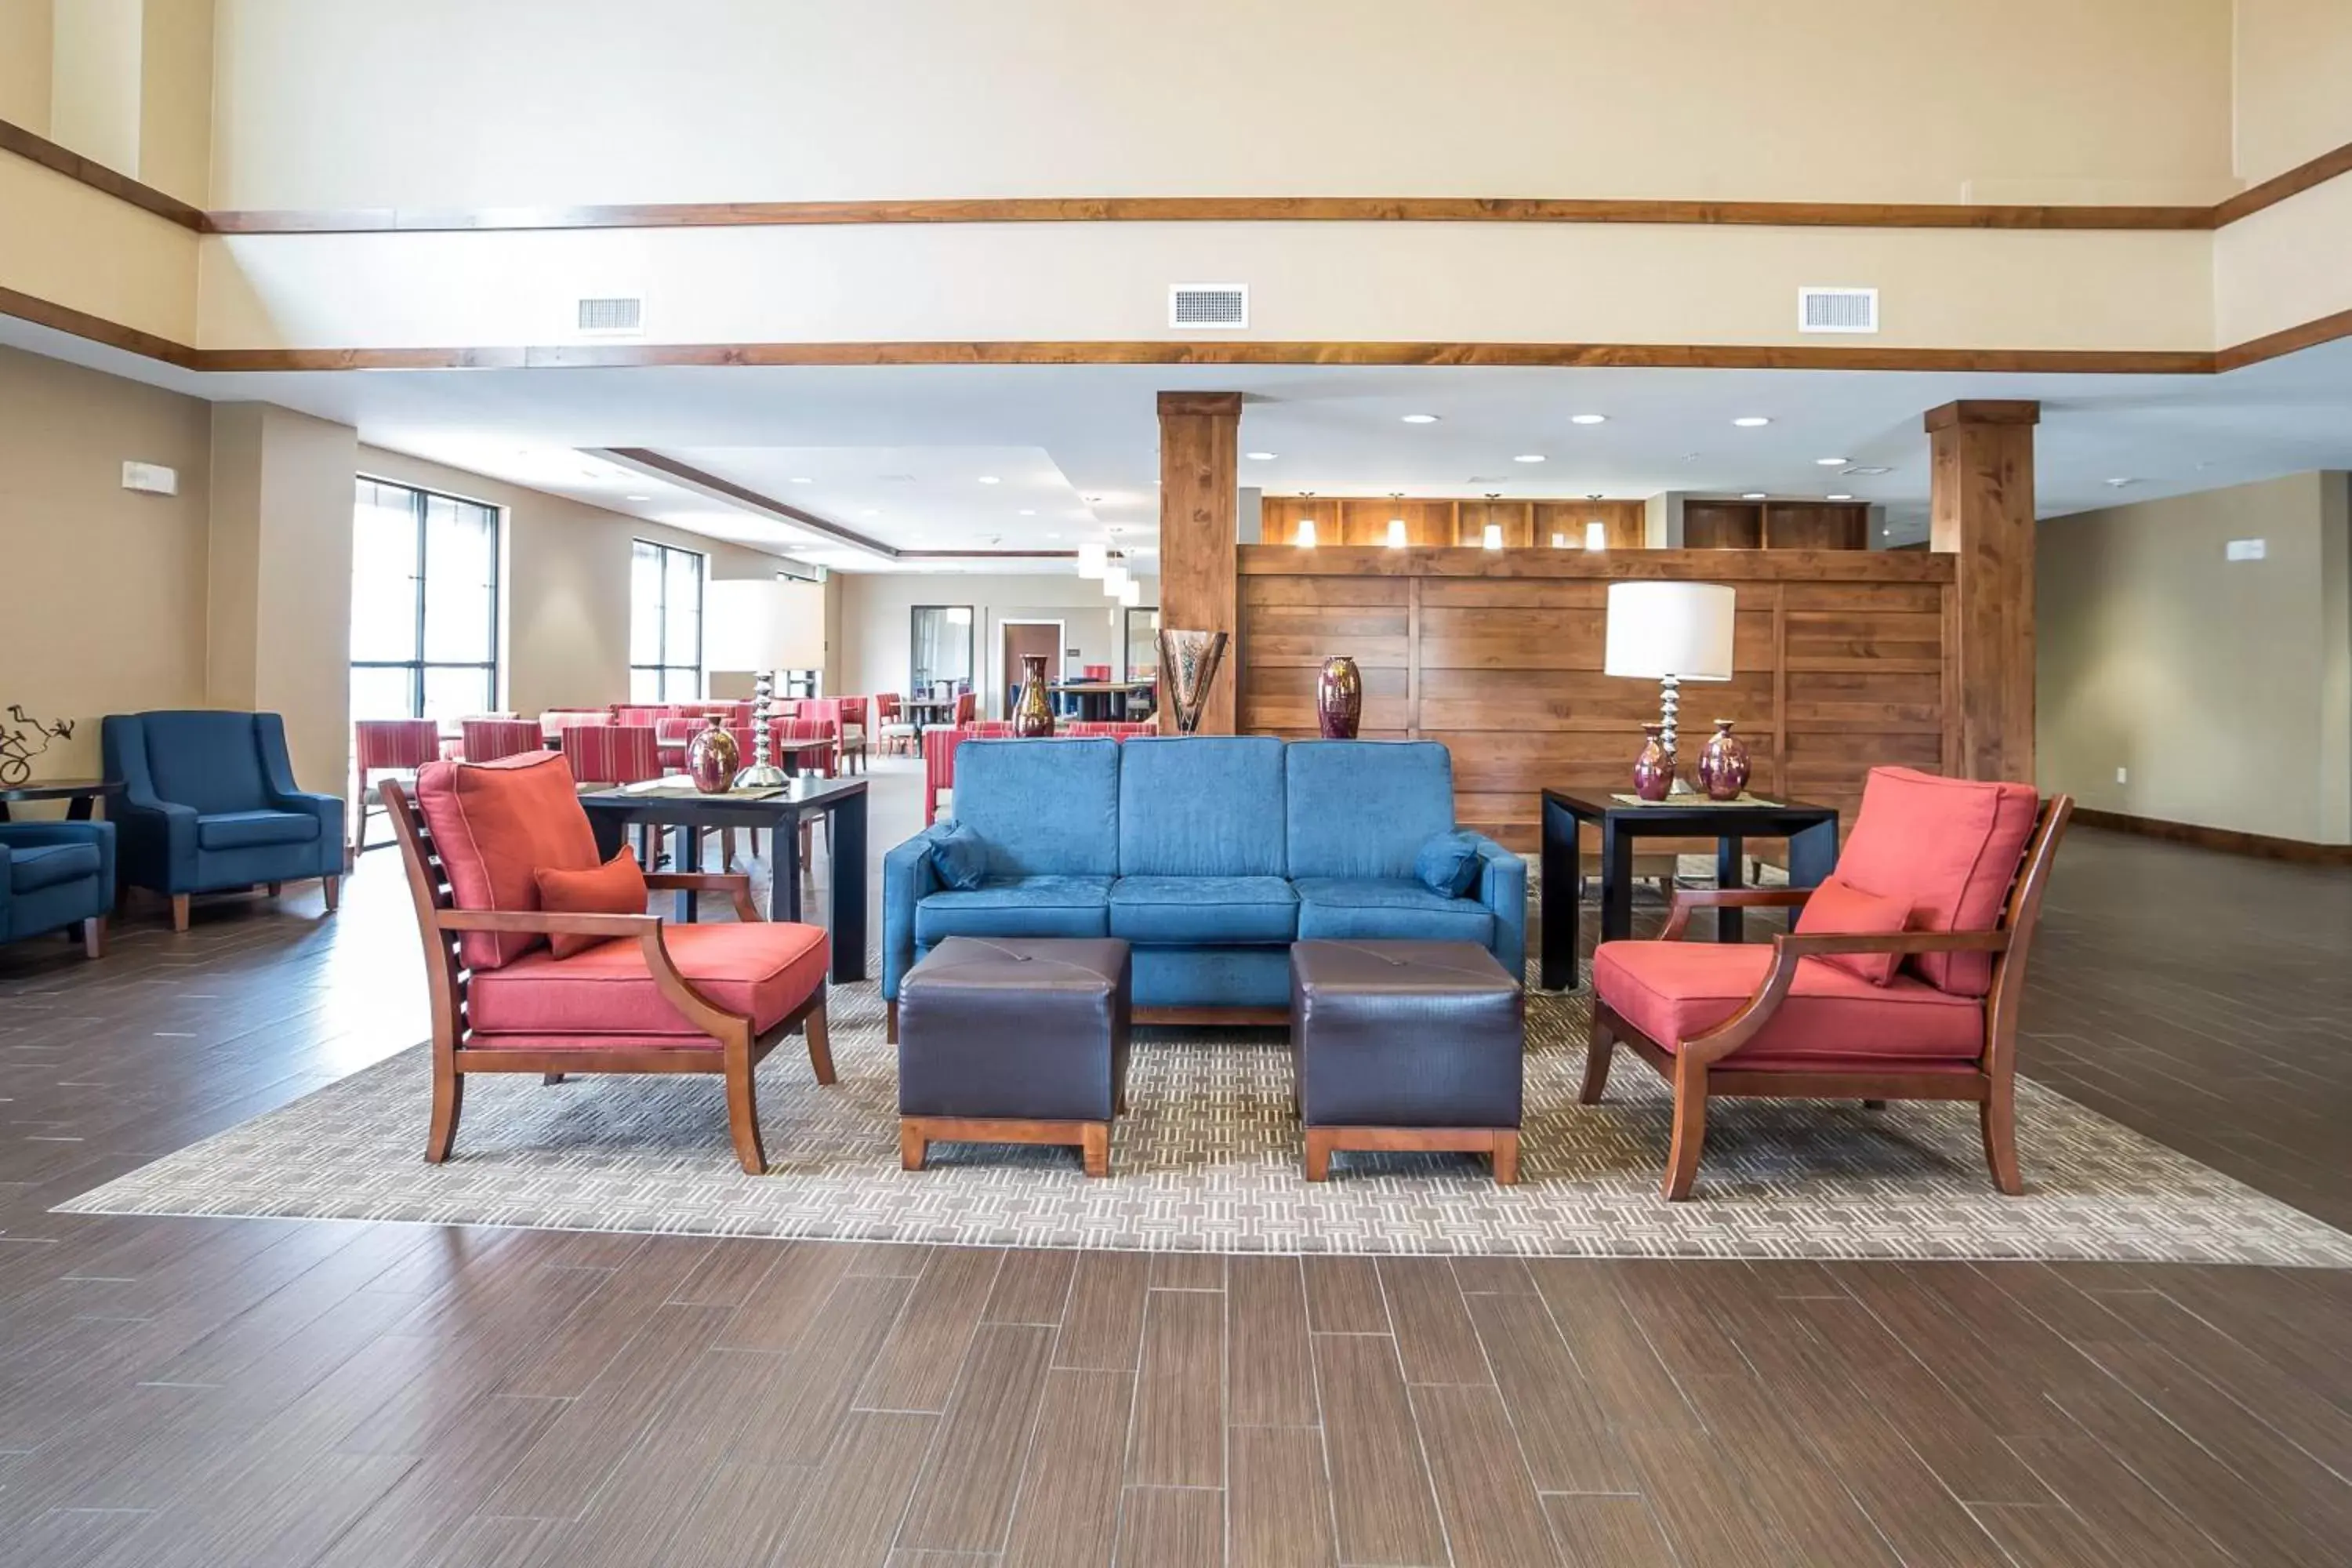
(676, 803)
(1811, 832)
(80, 794)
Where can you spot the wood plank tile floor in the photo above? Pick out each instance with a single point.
(282, 1393)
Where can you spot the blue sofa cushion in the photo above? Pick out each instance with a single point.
(1204, 910)
(1047, 808)
(1448, 864)
(1364, 808)
(1395, 909)
(1201, 805)
(959, 855)
(245, 829)
(33, 867)
(1017, 906)
(208, 761)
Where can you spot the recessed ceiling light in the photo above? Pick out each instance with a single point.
(1588, 419)
(2122, 482)
(1259, 457)
(802, 479)
(636, 497)
(1841, 498)
(1028, 512)
(989, 479)
(1751, 421)
(1418, 418)
(1829, 462)
(1753, 495)
(871, 511)
(1529, 457)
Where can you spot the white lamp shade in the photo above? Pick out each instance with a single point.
(1560, 542)
(1092, 559)
(1657, 629)
(1131, 596)
(1492, 536)
(762, 624)
(1396, 533)
(1114, 580)
(1305, 537)
(1596, 536)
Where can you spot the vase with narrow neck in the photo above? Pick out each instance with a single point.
(1723, 765)
(1033, 709)
(1653, 770)
(1338, 699)
(712, 757)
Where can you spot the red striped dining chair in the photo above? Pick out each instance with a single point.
(386, 746)
(487, 740)
(856, 729)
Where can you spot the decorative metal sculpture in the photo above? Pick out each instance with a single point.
(1188, 663)
(22, 738)
(1032, 708)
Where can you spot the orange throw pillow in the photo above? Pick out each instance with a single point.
(616, 888)
(1841, 909)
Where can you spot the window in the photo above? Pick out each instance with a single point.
(424, 603)
(942, 650)
(665, 624)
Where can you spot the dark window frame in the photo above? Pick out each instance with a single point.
(420, 498)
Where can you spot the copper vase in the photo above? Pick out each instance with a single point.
(1653, 770)
(1339, 699)
(1723, 765)
(1032, 708)
(712, 756)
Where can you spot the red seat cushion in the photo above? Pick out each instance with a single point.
(616, 888)
(1673, 990)
(495, 826)
(1837, 908)
(1951, 848)
(757, 967)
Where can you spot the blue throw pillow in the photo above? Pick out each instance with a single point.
(1448, 864)
(961, 857)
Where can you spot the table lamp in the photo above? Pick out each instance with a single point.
(762, 625)
(1670, 633)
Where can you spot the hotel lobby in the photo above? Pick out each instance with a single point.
(936, 788)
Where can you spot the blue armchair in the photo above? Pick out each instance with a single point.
(208, 805)
(54, 874)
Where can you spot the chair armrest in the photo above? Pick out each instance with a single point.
(1503, 889)
(908, 877)
(41, 835)
(157, 840)
(1790, 950)
(735, 884)
(699, 1010)
(1685, 899)
(327, 808)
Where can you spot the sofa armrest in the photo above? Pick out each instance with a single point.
(907, 877)
(1503, 889)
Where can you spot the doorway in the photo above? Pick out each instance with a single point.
(1019, 637)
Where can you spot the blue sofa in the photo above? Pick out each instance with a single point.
(1209, 853)
(54, 874)
(208, 805)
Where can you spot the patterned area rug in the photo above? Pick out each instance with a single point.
(1208, 1159)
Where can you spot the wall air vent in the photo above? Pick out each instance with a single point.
(1196, 305)
(1837, 310)
(612, 316)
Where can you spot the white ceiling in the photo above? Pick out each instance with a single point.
(897, 453)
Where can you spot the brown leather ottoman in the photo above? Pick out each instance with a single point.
(1013, 1040)
(1406, 1044)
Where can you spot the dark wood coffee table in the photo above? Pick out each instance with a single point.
(1811, 832)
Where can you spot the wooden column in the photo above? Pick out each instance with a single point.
(1200, 503)
(1981, 513)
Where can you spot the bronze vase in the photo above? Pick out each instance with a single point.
(1032, 708)
(1188, 665)
(1339, 699)
(712, 756)
(1653, 770)
(1723, 765)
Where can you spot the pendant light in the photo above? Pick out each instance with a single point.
(1114, 581)
(1303, 537)
(1596, 535)
(1093, 560)
(1396, 524)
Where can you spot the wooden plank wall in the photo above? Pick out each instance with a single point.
(1839, 660)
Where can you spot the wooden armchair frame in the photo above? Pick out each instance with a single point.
(1708, 1063)
(734, 1051)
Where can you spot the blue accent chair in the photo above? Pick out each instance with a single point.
(1211, 855)
(208, 805)
(54, 874)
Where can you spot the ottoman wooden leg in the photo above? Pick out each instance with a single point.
(914, 1149)
(1094, 1148)
(1507, 1159)
(1321, 1141)
(890, 1023)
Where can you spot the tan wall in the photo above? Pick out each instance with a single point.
(175, 98)
(25, 41)
(2220, 686)
(770, 100)
(94, 80)
(1506, 282)
(877, 635)
(566, 619)
(2286, 265)
(2293, 90)
(106, 587)
(70, 245)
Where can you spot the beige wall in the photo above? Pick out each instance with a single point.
(566, 619)
(25, 42)
(876, 632)
(2294, 91)
(106, 587)
(94, 79)
(775, 100)
(2220, 687)
(63, 242)
(175, 98)
(2285, 265)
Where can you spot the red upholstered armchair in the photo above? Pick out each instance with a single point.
(650, 997)
(1955, 868)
